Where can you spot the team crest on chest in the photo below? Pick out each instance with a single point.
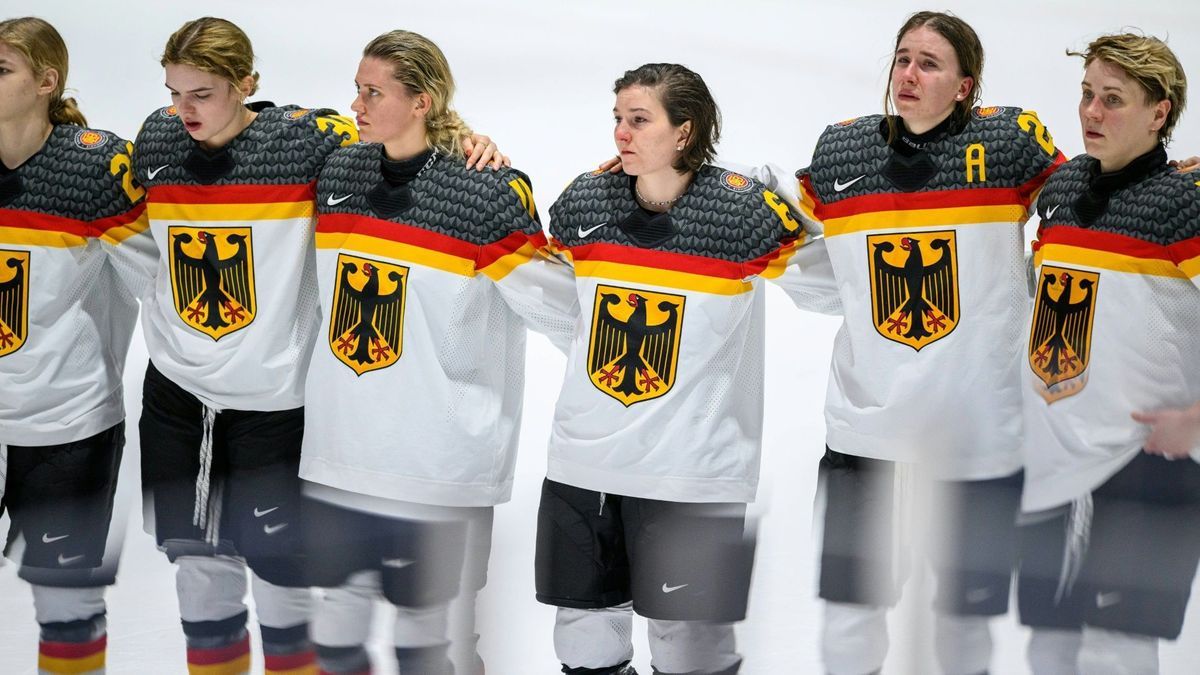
(633, 352)
(1060, 339)
(914, 286)
(212, 278)
(14, 300)
(366, 319)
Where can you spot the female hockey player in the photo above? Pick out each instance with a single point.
(1111, 375)
(923, 211)
(230, 325)
(74, 255)
(426, 271)
(655, 446)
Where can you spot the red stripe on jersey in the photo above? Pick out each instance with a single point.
(497, 250)
(1185, 250)
(73, 650)
(761, 263)
(231, 194)
(675, 262)
(218, 655)
(1085, 238)
(277, 662)
(911, 201)
(346, 223)
(28, 220)
(103, 225)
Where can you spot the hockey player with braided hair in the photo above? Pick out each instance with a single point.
(657, 432)
(230, 325)
(74, 257)
(428, 273)
(1112, 490)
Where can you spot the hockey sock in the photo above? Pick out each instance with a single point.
(343, 660)
(433, 660)
(76, 647)
(622, 668)
(287, 651)
(219, 647)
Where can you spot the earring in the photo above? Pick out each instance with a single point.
(679, 147)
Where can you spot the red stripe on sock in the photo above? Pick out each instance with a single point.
(218, 655)
(73, 650)
(290, 661)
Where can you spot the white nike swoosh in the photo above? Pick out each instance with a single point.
(154, 172)
(260, 514)
(1107, 599)
(67, 561)
(1050, 213)
(584, 233)
(47, 539)
(272, 529)
(838, 185)
(332, 201)
(397, 563)
(672, 589)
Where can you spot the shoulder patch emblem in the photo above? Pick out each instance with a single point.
(14, 300)
(633, 349)
(595, 172)
(169, 111)
(736, 182)
(297, 114)
(990, 111)
(846, 123)
(1060, 339)
(366, 323)
(914, 286)
(89, 139)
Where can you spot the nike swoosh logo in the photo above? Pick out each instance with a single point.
(1050, 213)
(584, 233)
(672, 589)
(397, 563)
(67, 561)
(334, 201)
(838, 185)
(272, 529)
(47, 539)
(260, 514)
(154, 172)
(1107, 599)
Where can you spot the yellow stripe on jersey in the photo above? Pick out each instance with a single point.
(664, 278)
(394, 250)
(507, 263)
(48, 238)
(777, 266)
(525, 193)
(910, 218)
(1117, 262)
(198, 213)
(1191, 267)
(51, 664)
(118, 234)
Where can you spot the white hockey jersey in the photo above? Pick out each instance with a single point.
(663, 393)
(1116, 323)
(415, 389)
(74, 255)
(927, 251)
(233, 314)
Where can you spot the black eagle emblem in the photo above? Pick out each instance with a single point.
(634, 358)
(14, 300)
(915, 301)
(1060, 339)
(213, 294)
(365, 324)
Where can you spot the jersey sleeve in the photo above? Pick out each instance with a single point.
(1040, 155)
(123, 227)
(1186, 253)
(536, 284)
(801, 267)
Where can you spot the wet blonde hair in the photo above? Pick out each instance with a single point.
(1149, 62)
(43, 48)
(421, 67)
(215, 46)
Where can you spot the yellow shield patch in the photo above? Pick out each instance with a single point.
(14, 300)
(366, 319)
(914, 286)
(633, 352)
(1060, 339)
(212, 278)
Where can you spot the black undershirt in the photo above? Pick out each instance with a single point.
(1094, 200)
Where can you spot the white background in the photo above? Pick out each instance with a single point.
(537, 77)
